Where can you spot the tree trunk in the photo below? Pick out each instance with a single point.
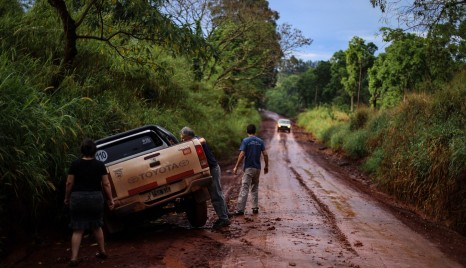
(359, 84)
(315, 97)
(352, 103)
(374, 101)
(70, 51)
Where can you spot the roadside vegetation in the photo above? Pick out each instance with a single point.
(401, 113)
(75, 69)
(415, 152)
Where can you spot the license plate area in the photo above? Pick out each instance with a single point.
(158, 192)
(164, 190)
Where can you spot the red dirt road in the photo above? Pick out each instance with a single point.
(316, 210)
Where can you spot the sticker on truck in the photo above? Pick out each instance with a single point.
(101, 155)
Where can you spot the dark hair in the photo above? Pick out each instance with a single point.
(251, 129)
(88, 147)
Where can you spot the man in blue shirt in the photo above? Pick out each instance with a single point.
(215, 189)
(251, 148)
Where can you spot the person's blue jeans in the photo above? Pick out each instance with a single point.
(216, 194)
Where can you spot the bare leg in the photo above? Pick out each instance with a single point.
(99, 237)
(75, 243)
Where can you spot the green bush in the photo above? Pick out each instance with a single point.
(320, 119)
(359, 118)
(373, 161)
(377, 127)
(424, 160)
(329, 133)
(354, 144)
(416, 151)
(338, 138)
(35, 141)
(282, 102)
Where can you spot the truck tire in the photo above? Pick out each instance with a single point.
(197, 213)
(112, 225)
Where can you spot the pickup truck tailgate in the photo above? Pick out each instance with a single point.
(146, 172)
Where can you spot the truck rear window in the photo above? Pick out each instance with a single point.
(127, 147)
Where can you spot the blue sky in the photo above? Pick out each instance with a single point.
(331, 24)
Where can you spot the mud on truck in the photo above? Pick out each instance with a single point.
(152, 174)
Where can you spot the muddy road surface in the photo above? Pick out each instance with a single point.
(315, 210)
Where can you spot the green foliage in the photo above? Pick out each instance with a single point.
(359, 118)
(35, 142)
(419, 155)
(280, 100)
(443, 21)
(415, 151)
(9, 8)
(400, 69)
(230, 130)
(111, 87)
(355, 144)
(359, 58)
(335, 89)
(38, 33)
(377, 127)
(340, 133)
(247, 50)
(321, 120)
(373, 161)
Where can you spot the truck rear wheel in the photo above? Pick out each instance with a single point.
(112, 225)
(197, 213)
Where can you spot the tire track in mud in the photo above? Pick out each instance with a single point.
(325, 211)
(323, 208)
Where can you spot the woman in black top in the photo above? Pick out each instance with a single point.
(86, 179)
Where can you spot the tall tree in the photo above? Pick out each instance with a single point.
(335, 89)
(323, 74)
(291, 39)
(359, 57)
(248, 48)
(306, 87)
(128, 27)
(443, 21)
(294, 65)
(403, 65)
(376, 80)
(424, 14)
(311, 84)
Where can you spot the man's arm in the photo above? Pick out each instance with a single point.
(240, 159)
(266, 160)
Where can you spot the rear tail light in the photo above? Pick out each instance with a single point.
(202, 156)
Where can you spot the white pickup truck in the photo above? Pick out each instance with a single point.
(151, 174)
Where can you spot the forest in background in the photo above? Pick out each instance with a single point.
(73, 69)
(401, 113)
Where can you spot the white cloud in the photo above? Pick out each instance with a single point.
(331, 24)
(310, 56)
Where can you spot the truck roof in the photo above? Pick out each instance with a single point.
(166, 135)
